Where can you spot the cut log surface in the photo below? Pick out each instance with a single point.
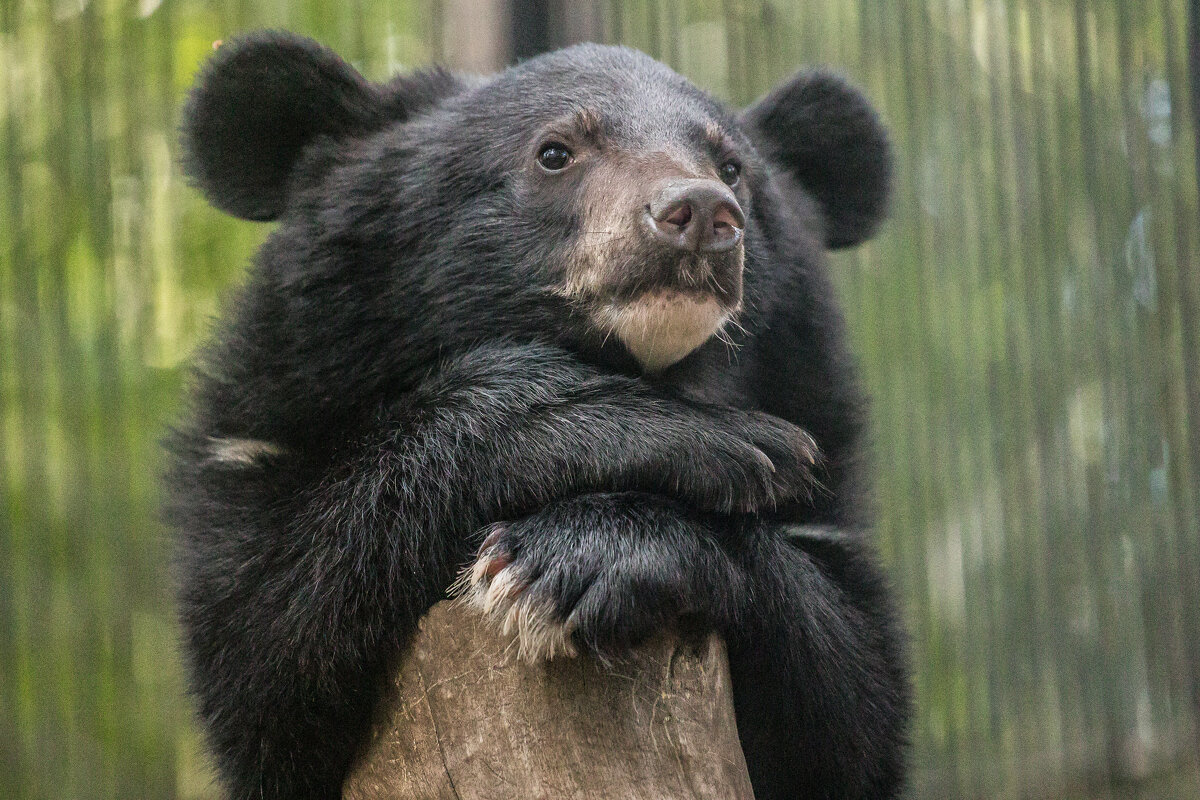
(467, 720)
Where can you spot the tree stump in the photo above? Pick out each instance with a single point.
(467, 720)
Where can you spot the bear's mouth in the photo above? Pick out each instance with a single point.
(660, 304)
(716, 276)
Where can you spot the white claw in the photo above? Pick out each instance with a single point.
(540, 635)
(479, 571)
(503, 589)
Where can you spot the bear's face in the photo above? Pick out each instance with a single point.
(586, 196)
(624, 190)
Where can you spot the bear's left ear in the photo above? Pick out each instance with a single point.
(824, 134)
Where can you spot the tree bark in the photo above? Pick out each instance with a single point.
(467, 720)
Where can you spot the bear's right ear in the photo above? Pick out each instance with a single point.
(263, 98)
(257, 103)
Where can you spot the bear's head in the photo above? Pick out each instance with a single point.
(591, 197)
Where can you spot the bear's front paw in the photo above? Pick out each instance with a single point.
(745, 462)
(596, 574)
(793, 453)
(500, 588)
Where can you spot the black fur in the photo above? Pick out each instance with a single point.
(413, 379)
(261, 101)
(827, 137)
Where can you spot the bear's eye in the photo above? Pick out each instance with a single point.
(730, 172)
(554, 156)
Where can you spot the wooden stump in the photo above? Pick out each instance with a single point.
(467, 720)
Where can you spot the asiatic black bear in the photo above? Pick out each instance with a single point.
(578, 311)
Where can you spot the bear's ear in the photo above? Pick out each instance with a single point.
(255, 106)
(824, 134)
(263, 98)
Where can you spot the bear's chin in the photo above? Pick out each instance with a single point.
(660, 328)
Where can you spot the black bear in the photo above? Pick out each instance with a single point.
(569, 324)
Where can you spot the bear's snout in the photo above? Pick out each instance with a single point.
(695, 214)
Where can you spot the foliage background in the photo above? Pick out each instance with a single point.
(1029, 324)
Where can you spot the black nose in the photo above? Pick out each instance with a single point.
(695, 214)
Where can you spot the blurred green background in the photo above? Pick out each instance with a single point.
(1029, 324)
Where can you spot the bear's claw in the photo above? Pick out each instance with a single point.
(497, 587)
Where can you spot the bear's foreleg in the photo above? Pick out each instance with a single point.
(819, 679)
(516, 427)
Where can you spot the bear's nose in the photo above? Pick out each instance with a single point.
(695, 214)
